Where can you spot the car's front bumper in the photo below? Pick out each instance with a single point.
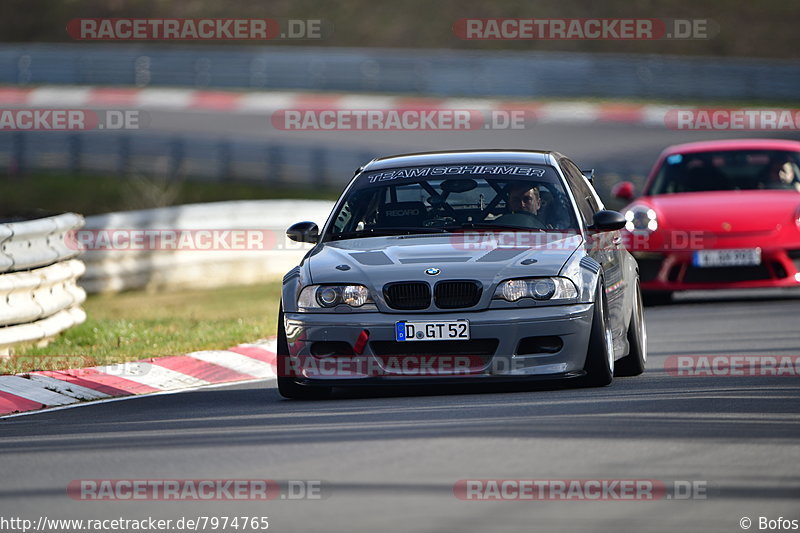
(505, 344)
(668, 270)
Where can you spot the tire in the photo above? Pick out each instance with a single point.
(633, 364)
(599, 365)
(287, 386)
(657, 298)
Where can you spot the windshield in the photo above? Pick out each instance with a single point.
(422, 200)
(727, 171)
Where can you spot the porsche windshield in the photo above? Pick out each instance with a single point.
(728, 170)
(399, 202)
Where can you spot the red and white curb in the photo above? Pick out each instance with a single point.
(44, 389)
(266, 103)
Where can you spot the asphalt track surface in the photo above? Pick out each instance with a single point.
(389, 462)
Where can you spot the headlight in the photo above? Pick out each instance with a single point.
(325, 296)
(641, 218)
(536, 288)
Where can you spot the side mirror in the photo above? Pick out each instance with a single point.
(608, 221)
(623, 191)
(303, 232)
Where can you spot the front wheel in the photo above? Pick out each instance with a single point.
(287, 386)
(633, 363)
(599, 365)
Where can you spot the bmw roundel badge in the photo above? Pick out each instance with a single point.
(432, 271)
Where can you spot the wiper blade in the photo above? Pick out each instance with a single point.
(384, 232)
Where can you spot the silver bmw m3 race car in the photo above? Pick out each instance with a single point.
(462, 267)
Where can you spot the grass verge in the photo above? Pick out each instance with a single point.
(137, 325)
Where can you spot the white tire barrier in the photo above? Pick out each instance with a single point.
(187, 246)
(36, 294)
(41, 330)
(39, 295)
(35, 243)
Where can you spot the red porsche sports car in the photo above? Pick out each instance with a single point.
(717, 214)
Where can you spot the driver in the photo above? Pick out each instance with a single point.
(781, 175)
(522, 198)
(524, 203)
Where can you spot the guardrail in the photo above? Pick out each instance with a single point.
(39, 296)
(438, 72)
(178, 156)
(194, 246)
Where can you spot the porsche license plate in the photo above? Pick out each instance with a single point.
(432, 331)
(723, 258)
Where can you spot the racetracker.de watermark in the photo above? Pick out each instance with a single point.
(592, 29)
(214, 29)
(738, 119)
(36, 119)
(672, 241)
(194, 489)
(733, 365)
(633, 490)
(199, 240)
(346, 366)
(400, 119)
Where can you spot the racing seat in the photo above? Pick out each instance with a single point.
(554, 211)
(402, 215)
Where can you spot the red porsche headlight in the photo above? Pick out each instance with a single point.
(641, 218)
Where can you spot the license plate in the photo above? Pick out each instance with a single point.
(432, 331)
(721, 258)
